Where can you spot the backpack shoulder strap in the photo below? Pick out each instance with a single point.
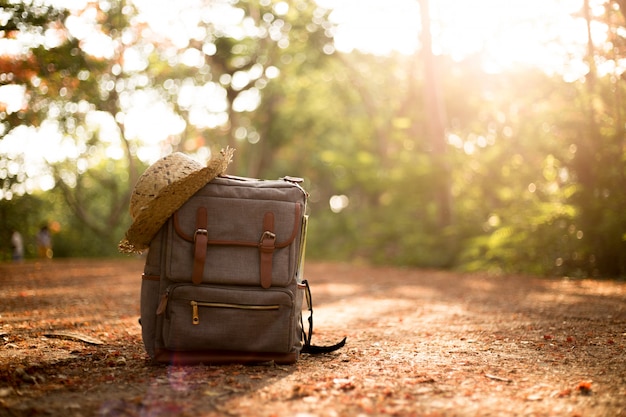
(307, 335)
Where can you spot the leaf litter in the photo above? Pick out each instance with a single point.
(420, 342)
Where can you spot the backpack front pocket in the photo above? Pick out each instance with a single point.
(233, 319)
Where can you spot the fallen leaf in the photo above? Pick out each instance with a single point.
(584, 387)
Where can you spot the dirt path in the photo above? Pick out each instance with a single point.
(420, 343)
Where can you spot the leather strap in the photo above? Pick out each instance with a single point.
(266, 249)
(286, 240)
(307, 347)
(266, 245)
(201, 239)
(147, 277)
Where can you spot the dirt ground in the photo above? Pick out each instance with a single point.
(420, 343)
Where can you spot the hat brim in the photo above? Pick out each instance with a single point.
(170, 198)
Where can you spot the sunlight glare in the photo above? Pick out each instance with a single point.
(207, 104)
(281, 8)
(505, 34)
(338, 203)
(83, 27)
(35, 149)
(134, 61)
(177, 21)
(151, 121)
(247, 100)
(375, 27)
(11, 97)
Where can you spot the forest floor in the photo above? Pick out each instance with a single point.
(419, 343)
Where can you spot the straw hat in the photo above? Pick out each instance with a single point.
(162, 189)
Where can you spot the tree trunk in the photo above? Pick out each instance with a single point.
(435, 115)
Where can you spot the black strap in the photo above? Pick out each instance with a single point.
(306, 336)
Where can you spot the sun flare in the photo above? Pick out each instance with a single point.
(541, 33)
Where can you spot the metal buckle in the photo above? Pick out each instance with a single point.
(200, 232)
(267, 235)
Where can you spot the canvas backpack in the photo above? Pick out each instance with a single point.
(223, 277)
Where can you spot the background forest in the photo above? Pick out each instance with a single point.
(419, 159)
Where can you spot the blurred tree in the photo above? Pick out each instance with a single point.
(86, 76)
(412, 160)
(64, 87)
(435, 118)
(598, 163)
(509, 182)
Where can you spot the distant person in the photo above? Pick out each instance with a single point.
(44, 243)
(17, 243)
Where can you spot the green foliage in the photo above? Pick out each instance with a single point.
(29, 17)
(534, 167)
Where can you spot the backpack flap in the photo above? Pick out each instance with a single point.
(237, 232)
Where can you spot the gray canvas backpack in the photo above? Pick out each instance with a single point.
(223, 277)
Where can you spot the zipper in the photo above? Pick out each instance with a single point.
(195, 317)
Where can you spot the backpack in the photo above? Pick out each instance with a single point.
(222, 281)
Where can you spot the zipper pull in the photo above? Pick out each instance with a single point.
(195, 319)
(162, 303)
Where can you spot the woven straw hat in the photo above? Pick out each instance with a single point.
(162, 189)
